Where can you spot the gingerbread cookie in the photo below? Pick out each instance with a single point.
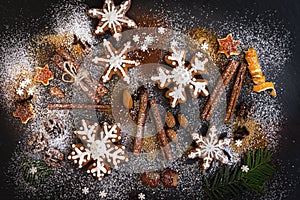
(209, 148)
(98, 149)
(228, 46)
(115, 61)
(182, 76)
(24, 111)
(112, 18)
(43, 75)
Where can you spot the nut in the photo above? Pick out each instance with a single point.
(53, 157)
(170, 120)
(151, 178)
(169, 178)
(172, 135)
(183, 121)
(127, 99)
(56, 92)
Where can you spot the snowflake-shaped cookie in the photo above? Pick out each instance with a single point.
(209, 148)
(115, 61)
(98, 148)
(112, 18)
(182, 76)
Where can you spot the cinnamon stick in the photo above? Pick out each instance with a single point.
(62, 106)
(219, 89)
(138, 141)
(235, 92)
(161, 134)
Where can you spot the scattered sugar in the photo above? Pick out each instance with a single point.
(268, 35)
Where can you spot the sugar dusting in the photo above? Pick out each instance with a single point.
(267, 35)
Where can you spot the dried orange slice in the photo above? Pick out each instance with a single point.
(265, 86)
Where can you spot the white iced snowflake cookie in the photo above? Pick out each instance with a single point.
(182, 76)
(98, 148)
(209, 148)
(112, 18)
(115, 61)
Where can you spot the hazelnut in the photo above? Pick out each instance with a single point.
(151, 178)
(169, 178)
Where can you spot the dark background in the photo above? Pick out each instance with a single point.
(15, 13)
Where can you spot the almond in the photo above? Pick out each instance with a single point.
(56, 92)
(170, 120)
(172, 135)
(127, 99)
(183, 121)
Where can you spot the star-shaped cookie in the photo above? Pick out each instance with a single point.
(24, 111)
(228, 46)
(112, 18)
(43, 75)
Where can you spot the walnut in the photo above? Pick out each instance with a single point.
(38, 142)
(53, 157)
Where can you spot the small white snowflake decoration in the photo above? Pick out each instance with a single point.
(161, 30)
(141, 196)
(98, 147)
(238, 143)
(85, 190)
(204, 46)
(33, 170)
(182, 76)
(112, 18)
(115, 61)
(245, 168)
(209, 148)
(102, 194)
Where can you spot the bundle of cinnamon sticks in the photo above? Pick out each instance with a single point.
(222, 83)
(161, 133)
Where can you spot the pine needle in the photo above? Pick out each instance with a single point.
(231, 181)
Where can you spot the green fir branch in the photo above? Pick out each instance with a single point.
(42, 170)
(231, 181)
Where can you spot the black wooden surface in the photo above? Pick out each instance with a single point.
(24, 11)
